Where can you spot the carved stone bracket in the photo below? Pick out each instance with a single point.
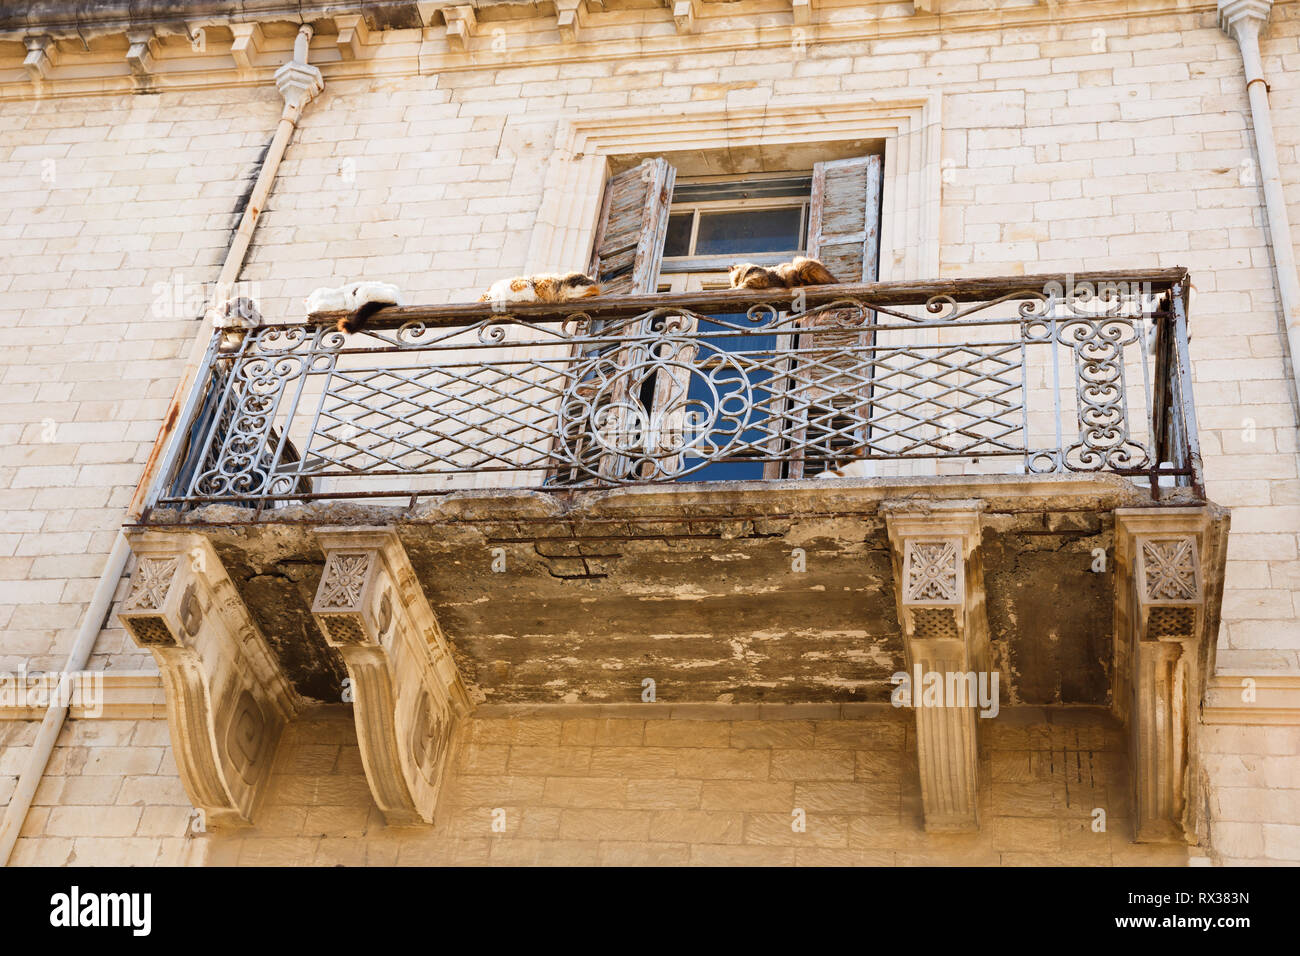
(246, 47)
(462, 23)
(408, 695)
(141, 49)
(227, 698)
(685, 13)
(1162, 660)
(571, 19)
(353, 36)
(803, 11)
(39, 60)
(939, 587)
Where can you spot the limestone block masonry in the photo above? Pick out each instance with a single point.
(472, 143)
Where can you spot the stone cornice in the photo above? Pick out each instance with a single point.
(138, 695)
(197, 47)
(1253, 699)
(98, 17)
(103, 695)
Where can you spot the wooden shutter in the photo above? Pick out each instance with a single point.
(844, 233)
(625, 260)
(630, 236)
(844, 217)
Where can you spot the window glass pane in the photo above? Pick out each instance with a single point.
(782, 187)
(728, 471)
(750, 230)
(678, 240)
(716, 394)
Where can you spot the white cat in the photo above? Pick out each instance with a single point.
(853, 468)
(361, 299)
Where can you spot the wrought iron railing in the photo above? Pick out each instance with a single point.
(1031, 375)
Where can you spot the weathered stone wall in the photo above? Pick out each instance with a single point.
(1254, 777)
(594, 790)
(1057, 155)
(116, 211)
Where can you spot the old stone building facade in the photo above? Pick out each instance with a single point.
(625, 668)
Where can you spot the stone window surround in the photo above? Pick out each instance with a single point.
(909, 123)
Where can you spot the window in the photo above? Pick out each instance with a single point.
(712, 224)
(656, 234)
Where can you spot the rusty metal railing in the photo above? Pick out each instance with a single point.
(1083, 373)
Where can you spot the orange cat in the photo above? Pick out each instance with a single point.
(788, 275)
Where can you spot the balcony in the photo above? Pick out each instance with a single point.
(743, 497)
(1007, 376)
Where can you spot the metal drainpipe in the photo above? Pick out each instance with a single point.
(1242, 20)
(298, 83)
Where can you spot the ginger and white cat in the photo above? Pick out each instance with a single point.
(361, 299)
(788, 275)
(544, 287)
(850, 468)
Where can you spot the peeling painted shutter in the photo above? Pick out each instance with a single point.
(630, 236)
(844, 217)
(844, 233)
(625, 260)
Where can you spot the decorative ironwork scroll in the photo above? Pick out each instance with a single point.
(1105, 434)
(667, 393)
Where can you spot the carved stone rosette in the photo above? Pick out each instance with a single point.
(1162, 661)
(939, 587)
(227, 698)
(407, 694)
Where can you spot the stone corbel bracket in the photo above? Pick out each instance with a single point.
(227, 698)
(246, 47)
(407, 694)
(39, 60)
(571, 19)
(802, 11)
(462, 23)
(141, 50)
(353, 37)
(939, 588)
(685, 14)
(1168, 564)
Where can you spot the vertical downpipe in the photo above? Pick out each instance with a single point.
(1242, 20)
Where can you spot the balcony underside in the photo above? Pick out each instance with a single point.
(697, 586)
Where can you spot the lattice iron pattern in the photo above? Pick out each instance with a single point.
(657, 396)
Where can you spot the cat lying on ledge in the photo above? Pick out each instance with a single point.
(788, 275)
(545, 287)
(361, 299)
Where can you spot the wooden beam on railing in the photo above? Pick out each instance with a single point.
(738, 300)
